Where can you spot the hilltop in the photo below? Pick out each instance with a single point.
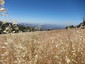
(43, 47)
(81, 25)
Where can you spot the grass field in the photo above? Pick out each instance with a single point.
(45, 47)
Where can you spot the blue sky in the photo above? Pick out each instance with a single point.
(46, 11)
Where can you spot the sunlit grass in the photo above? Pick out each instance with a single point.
(46, 47)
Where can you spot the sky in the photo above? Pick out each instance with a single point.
(60, 12)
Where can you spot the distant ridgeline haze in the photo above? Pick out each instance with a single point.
(46, 27)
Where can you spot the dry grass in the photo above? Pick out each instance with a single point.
(53, 47)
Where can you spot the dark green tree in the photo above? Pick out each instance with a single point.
(71, 26)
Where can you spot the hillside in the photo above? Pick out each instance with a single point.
(7, 27)
(45, 47)
(81, 25)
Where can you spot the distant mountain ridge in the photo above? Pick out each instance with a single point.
(44, 26)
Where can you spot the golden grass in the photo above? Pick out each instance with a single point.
(46, 47)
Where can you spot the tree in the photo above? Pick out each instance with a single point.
(71, 26)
